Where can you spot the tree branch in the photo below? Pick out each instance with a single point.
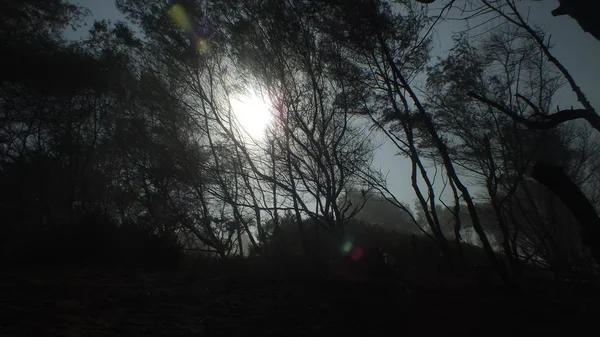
(550, 121)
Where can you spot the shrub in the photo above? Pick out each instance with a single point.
(95, 240)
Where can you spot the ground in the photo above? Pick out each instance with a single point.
(103, 302)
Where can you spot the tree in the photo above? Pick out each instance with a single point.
(540, 117)
(391, 51)
(319, 145)
(379, 211)
(576, 9)
(488, 146)
(59, 157)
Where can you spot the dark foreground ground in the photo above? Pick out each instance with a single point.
(127, 303)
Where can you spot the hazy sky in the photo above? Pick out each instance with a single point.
(577, 50)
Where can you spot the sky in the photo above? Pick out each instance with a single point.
(577, 50)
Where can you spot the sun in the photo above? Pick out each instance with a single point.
(252, 113)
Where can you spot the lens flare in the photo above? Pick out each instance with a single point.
(357, 254)
(201, 45)
(347, 247)
(199, 32)
(179, 16)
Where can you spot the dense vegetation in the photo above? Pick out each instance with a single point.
(122, 151)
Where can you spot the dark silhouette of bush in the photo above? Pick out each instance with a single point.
(95, 240)
(385, 254)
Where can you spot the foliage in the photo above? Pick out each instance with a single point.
(124, 147)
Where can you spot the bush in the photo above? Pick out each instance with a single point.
(93, 241)
(407, 253)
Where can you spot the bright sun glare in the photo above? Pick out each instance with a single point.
(253, 114)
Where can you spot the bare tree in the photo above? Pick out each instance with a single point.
(391, 51)
(317, 143)
(539, 117)
(576, 9)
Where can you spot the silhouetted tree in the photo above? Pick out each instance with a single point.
(387, 51)
(537, 115)
(67, 130)
(320, 145)
(576, 9)
(315, 147)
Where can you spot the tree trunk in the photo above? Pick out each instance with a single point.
(496, 263)
(559, 183)
(582, 11)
